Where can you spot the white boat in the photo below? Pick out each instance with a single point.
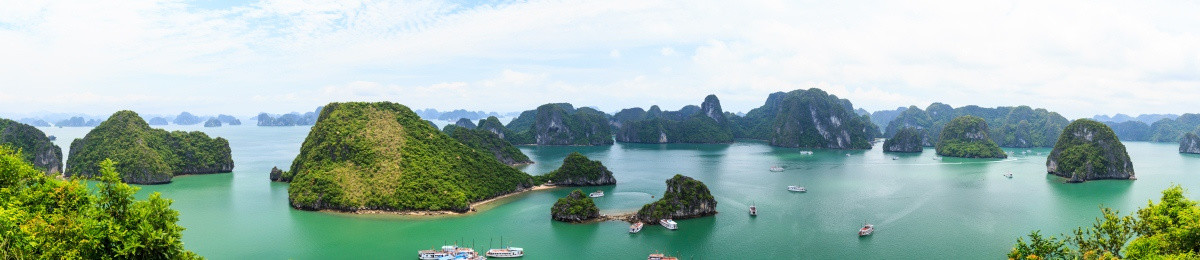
(776, 168)
(506, 252)
(449, 252)
(1009, 175)
(753, 210)
(806, 152)
(895, 158)
(668, 223)
(636, 227)
(797, 189)
(661, 257)
(866, 230)
(596, 194)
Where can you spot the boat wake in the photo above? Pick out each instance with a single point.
(911, 208)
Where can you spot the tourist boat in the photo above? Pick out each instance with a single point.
(797, 189)
(806, 152)
(776, 168)
(753, 210)
(895, 158)
(596, 194)
(866, 230)
(668, 223)
(449, 252)
(506, 252)
(661, 257)
(1009, 175)
(636, 227)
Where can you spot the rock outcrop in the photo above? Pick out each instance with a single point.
(575, 207)
(807, 119)
(907, 140)
(35, 146)
(146, 155)
(382, 156)
(578, 170)
(1190, 143)
(691, 124)
(493, 125)
(685, 198)
(967, 137)
(1089, 150)
(212, 122)
(560, 124)
(277, 174)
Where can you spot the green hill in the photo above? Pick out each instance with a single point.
(967, 137)
(1019, 126)
(34, 144)
(382, 156)
(146, 155)
(807, 119)
(691, 124)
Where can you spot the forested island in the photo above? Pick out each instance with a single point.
(290, 119)
(36, 147)
(578, 170)
(1020, 126)
(1166, 130)
(967, 137)
(1190, 143)
(228, 120)
(186, 118)
(158, 120)
(212, 122)
(77, 122)
(559, 124)
(1089, 150)
(690, 124)
(413, 166)
(907, 140)
(575, 207)
(147, 155)
(685, 198)
(806, 119)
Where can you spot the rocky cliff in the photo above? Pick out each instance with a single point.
(907, 140)
(146, 155)
(1089, 150)
(493, 125)
(560, 124)
(575, 207)
(1190, 143)
(807, 119)
(706, 123)
(967, 137)
(685, 198)
(578, 170)
(276, 175)
(382, 156)
(35, 147)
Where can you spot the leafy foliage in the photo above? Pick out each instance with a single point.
(806, 118)
(47, 218)
(1167, 130)
(967, 137)
(577, 169)
(574, 207)
(1019, 126)
(1169, 229)
(906, 140)
(691, 124)
(36, 146)
(382, 156)
(151, 155)
(484, 140)
(1131, 130)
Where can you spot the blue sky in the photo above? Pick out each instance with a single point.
(1079, 58)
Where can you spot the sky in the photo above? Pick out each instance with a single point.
(1078, 58)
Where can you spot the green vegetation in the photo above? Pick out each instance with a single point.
(685, 198)
(560, 124)
(1089, 150)
(484, 140)
(1170, 131)
(907, 140)
(575, 207)
(578, 170)
(691, 124)
(1019, 126)
(967, 137)
(1131, 130)
(35, 146)
(808, 119)
(1169, 229)
(46, 218)
(382, 156)
(151, 156)
(290, 119)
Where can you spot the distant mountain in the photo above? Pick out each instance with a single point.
(228, 120)
(77, 122)
(706, 123)
(1144, 118)
(558, 124)
(34, 122)
(290, 119)
(1019, 126)
(883, 117)
(158, 121)
(808, 118)
(186, 118)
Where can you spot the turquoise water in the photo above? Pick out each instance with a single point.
(921, 207)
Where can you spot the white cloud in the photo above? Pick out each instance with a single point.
(166, 55)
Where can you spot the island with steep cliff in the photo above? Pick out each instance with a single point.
(36, 148)
(575, 207)
(967, 137)
(560, 124)
(578, 170)
(1189, 143)
(691, 124)
(685, 198)
(1020, 126)
(1089, 150)
(382, 157)
(907, 140)
(147, 155)
(212, 122)
(186, 118)
(806, 119)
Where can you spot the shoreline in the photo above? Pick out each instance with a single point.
(475, 206)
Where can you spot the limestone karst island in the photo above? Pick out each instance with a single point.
(567, 129)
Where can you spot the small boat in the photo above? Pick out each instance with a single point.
(661, 257)
(776, 168)
(797, 189)
(1009, 175)
(753, 211)
(449, 252)
(596, 194)
(806, 152)
(847, 154)
(895, 158)
(636, 227)
(668, 223)
(506, 252)
(866, 230)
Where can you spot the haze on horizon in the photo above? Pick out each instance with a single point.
(1078, 58)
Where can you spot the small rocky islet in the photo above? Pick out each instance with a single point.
(1089, 150)
(967, 137)
(907, 140)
